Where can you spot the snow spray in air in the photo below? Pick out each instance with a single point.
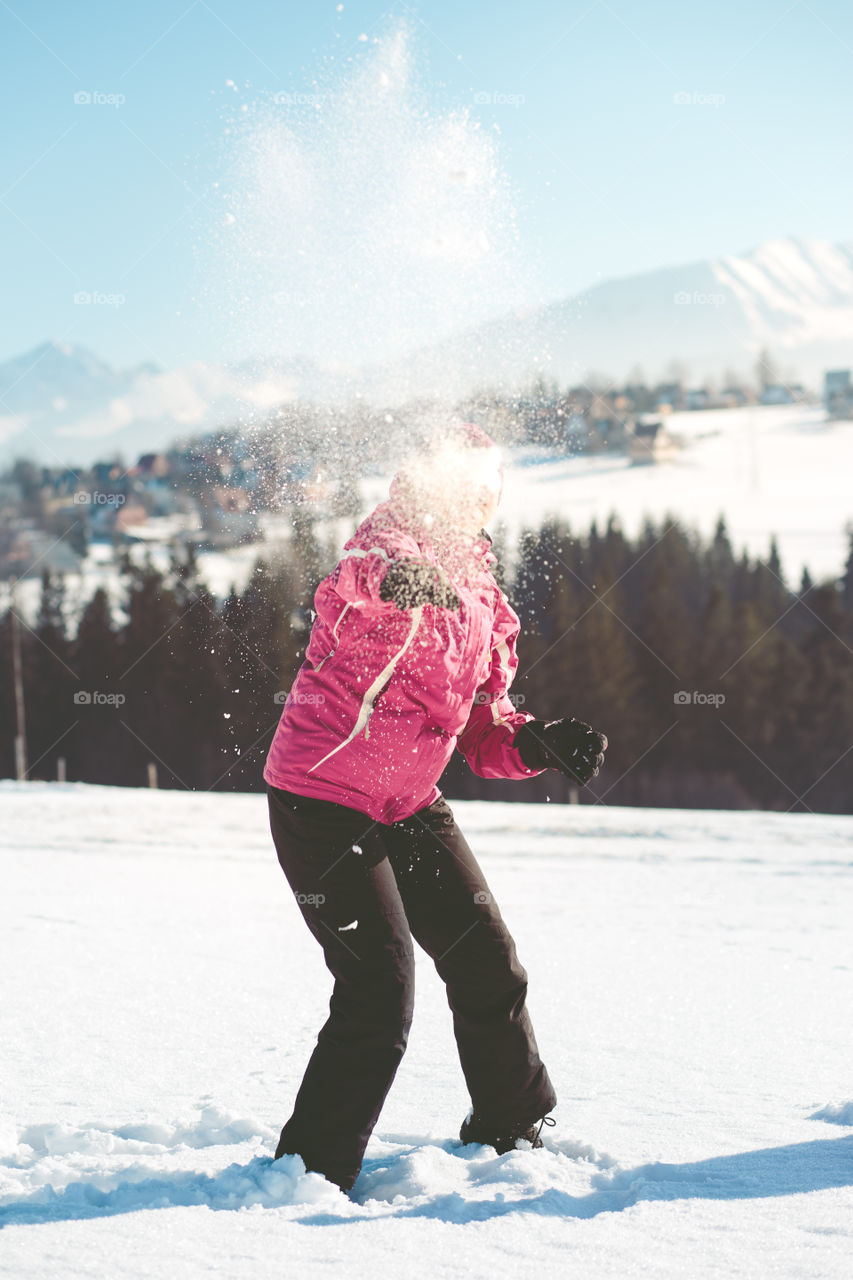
(363, 231)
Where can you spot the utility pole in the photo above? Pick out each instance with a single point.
(18, 677)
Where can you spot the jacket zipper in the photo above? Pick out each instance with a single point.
(335, 636)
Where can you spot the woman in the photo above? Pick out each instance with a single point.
(411, 654)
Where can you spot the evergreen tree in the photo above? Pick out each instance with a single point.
(150, 715)
(99, 742)
(51, 682)
(847, 576)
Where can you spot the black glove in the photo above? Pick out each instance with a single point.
(568, 745)
(414, 582)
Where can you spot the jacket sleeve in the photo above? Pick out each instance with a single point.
(486, 742)
(359, 572)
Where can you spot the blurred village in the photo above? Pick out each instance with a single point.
(226, 489)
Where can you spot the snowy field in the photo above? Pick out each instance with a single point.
(768, 470)
(691, 986)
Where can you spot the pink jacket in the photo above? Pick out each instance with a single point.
(384, 694)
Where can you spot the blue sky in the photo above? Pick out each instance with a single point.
(635, 133)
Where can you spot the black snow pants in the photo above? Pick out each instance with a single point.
(365, 890)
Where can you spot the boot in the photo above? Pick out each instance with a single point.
(473, 1130)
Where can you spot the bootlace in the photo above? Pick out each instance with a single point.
(549, 1120)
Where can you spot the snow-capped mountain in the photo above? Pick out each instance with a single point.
(794, 297)
(61, 403)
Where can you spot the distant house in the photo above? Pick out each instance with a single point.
(153, 478)
(650, 442)
(230, 518)
(669, 396)
(838, 393)
(107, 476)
(776, 393)
(151, 466)
(117, 520)
(733, 398)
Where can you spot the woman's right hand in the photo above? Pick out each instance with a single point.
(409, 582)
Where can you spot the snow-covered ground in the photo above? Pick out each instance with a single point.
(769, 470)
(691, 983)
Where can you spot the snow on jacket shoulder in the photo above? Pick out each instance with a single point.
(384, 695)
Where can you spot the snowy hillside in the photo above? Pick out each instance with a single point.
(690, 985)
(793, 296)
